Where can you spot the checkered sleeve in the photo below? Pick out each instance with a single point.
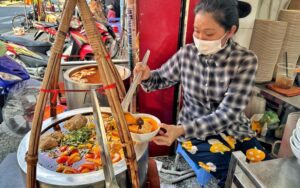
(233, 103)
(166, 76)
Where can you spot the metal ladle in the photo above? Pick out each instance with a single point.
(128, 98)
(110, 178)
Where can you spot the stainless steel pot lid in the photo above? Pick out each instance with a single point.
(53, 178)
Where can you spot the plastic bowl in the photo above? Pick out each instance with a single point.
(295, 139)
(297, 134)
(298, 125)
(295, 151)
(147, 136)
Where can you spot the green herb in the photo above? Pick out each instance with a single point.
(269, 117)
(74, 138)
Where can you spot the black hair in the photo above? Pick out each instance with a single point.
(225, 12)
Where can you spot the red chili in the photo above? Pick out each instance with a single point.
(74, 151)
(88, 166)
(62, 159)
(63, 148)
(89, 155)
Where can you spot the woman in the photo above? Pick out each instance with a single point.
(217, 76)
(111, 12)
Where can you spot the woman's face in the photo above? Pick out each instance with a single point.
(206, 28)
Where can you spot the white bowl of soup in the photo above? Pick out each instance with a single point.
(143, 127)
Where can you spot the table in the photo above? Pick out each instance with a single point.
(272, 95)
(281, 104)
(276, 173)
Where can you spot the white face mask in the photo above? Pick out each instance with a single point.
(208, 47)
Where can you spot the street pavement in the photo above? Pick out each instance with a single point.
(6, 15)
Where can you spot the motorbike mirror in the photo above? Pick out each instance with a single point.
(75, 23)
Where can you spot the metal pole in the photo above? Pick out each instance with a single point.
(26, 19)
(110, 179)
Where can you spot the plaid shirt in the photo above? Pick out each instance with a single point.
(216, 89)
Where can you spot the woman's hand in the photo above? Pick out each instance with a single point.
(144, 69)
(168, 137)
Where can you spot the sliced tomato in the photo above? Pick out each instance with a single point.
(96, 151)
(97, 162)
(63, 148)
(73, 158)
(62, 159)
(115, 133)
(89, 155)
(88, 166)
(60, 168)
(116, 157)
(65, 153)
(97, 155)
(70, 170)
(84, 170)
(74, 151)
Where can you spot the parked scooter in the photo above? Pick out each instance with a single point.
(34, 62)
(45, 28)
(80, 45)
(20, 95)
(77, 40)
(11, 73)
(34, 46)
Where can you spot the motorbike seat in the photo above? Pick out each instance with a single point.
(36, 46)
(47, 24)
(32, 62)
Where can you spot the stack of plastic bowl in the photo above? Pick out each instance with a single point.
(295, 141)
(266, 42)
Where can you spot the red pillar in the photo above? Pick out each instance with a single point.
(158, 25)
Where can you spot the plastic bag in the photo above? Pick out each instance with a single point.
(270, 118)
(19, 106)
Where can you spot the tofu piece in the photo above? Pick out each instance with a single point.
(75, 122)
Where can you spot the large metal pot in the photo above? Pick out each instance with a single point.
(47, 178)
(83, 99)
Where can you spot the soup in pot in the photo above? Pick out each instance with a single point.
(91, 75)
(72, 147)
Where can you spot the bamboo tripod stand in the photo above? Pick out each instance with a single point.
(108, 75)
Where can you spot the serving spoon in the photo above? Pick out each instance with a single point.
(128, 98)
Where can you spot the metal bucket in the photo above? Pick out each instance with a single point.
(49, 179)
(83, 99)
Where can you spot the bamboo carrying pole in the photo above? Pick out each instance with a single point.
(97, 10)
(54, 60)
(108, 74)
(108, 78)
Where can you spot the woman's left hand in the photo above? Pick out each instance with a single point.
(171, 134)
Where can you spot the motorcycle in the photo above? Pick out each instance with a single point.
(80, 45)
(19, 94)
(45, 28)
(34, 62)
(11, 73)
(80, 48)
